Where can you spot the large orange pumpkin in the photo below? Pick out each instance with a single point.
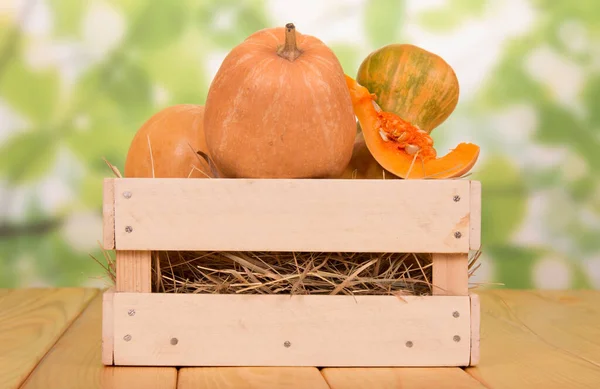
(403, 149)
(279, 107)
(161, 146)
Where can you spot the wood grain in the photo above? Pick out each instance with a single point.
(31, 321)
(450, 274)
(539, 340)
(108, 214)
(75, 361)
(134, 271)
(321, 330)
(475, 216)
(107, 327)
(405, 378)
(475, 329)
(251, 377)
(292, 215)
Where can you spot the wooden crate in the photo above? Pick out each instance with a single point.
(419, 216)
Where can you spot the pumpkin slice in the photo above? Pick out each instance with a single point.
(401, 148)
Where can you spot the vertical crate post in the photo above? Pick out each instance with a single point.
(133, 271)
(450, 274)
(133, 266)
(451, 270)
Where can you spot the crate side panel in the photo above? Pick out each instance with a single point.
(475, 329)
(108, 214)
(475, 222)
(292, 215)
(107, 326)
(276, 330)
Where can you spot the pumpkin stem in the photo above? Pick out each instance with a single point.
(289, 50)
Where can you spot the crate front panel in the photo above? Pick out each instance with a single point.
(292, 215)
(273, 330)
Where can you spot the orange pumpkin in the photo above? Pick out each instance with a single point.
(401, 148)
(165, 145)
(362, 164)
(279, 107)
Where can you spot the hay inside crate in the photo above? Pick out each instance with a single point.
(294, 273)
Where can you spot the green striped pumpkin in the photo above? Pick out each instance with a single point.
(415, 84)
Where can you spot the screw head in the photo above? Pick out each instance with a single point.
(174, 341)
(456, 338)
(127, 338)
(127, 195)
(287, 344)
(409, 344)
(457, 234)
(131, 312)
(128, 228)
(455, 314)
(456, 198)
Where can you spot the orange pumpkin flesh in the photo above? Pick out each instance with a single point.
(403, 149)
(279, 107)
(169, 133)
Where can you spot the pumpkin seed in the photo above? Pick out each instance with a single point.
(383, 135)
(376, 106)
(412, 149)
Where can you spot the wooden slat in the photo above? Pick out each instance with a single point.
(321, 330)
(405, 378)
(134, 271)
(539, 340)
(292, 215)
(250, 378)
(75, 361)
(475, 216)
(475, 329)
(450, 274)
(31, 321)
(108, 214)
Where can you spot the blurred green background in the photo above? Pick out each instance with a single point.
(78, 78)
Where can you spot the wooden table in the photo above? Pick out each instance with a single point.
(50, 338)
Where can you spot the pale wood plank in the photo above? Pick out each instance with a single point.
(475, 329)
(450, 274)
(321, 330)
(292, 215)
(138, 377)
(108, 214)
(251, 377)
(107, 327)
(539, 340)
(475, 216)
(405, 378)
(75, 361)
(31, 321)
(134, 271)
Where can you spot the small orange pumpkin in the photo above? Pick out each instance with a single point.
(279, 107)
(165, 145)
(362, 164)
